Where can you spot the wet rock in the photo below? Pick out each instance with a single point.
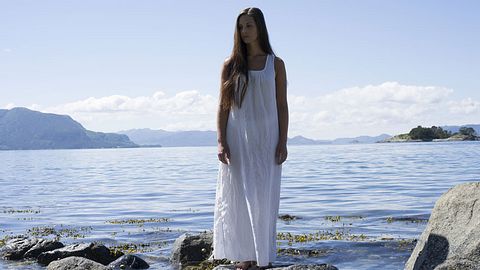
(128, 262)
(289, 267)
(191, 249)
(287, 217)
(16, 248)
(307, 267)
(76, 250)
(451, 239)
(303, 252)
(43, 245)
(75, 263)
(458, 264)
(92, 251)
(103, 255)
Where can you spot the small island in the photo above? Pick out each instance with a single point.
(436, 134)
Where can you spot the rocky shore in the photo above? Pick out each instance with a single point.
(190, 252)
(55, 256)
(451, 241)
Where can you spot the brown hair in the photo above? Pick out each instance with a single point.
(237, 63)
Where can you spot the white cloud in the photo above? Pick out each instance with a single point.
(7, 50)
(465, 106)
(183, 111)
(390, 107)
(9, 106)
(370, 110)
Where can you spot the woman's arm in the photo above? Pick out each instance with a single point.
(222, 118)
(282, 109)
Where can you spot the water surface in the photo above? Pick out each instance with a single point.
(365, 188)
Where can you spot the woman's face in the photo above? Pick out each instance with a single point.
(247, 29)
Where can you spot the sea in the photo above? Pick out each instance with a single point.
(355, 206)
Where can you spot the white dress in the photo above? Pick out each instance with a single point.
(248, 189)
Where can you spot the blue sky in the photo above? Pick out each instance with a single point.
(354, 67)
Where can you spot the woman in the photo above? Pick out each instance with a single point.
(252, 124)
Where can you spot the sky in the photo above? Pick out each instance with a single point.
(353, 67)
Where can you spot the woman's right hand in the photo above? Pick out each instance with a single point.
(224, 153)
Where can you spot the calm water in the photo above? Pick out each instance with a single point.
(86, 191)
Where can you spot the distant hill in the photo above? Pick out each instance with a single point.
(209, 138)
(455, 129)
(300, 140)
(362, 139)
(22, 129)
(148, 136)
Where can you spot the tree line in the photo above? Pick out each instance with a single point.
(428, 134)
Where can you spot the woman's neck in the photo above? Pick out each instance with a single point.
(253, 49)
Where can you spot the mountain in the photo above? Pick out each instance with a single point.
(209, 138)
(361, 139)
(454, 129)
(151, 137)
(21, 129)
(300, 140)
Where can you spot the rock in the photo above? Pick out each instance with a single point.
(451, 239)
(287, 217)
(289, 267)
(43, 245)
(92, 251)
(128, 262)
(191, 249)
(16, 248)
(307, 267)
(102, 254)
(458, 265)
(76, 250)
(75, 263)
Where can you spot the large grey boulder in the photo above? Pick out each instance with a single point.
(191, 249)
(451, 239)
(75, 263)
(24, 247)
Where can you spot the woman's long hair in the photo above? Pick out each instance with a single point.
(237, 64)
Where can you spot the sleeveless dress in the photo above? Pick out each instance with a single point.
(248, 189)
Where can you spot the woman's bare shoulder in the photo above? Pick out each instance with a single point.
(279, 61)
(225, 68)
(227, 61)
(279, 64)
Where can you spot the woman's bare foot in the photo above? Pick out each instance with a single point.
(245, 265)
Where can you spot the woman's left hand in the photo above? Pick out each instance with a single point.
(281, 152)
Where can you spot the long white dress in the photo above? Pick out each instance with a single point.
(248, 189)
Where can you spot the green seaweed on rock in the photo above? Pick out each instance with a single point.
(287, 217)
(333, 218)
(319, 236)
(139, 222)
(302, 252)
(74, 233)
(406, 219)
(21, 211)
